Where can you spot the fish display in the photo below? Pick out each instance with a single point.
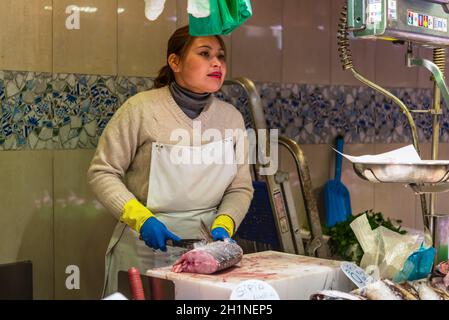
(334, 295)
(388, 290)
(434, 287)
(210, 258)
(440, 274)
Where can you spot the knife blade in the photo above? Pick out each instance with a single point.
(184, 243)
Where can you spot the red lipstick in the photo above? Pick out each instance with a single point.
(215, 74)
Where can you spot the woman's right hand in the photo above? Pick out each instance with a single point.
(155, 234)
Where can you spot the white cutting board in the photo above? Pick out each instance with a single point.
(292, 276)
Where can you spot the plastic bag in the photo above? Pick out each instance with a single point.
(238, 11)
(383, 248)
(153, 9)
(198, 8)
(417, 266)
(225, 16)
(210, 25)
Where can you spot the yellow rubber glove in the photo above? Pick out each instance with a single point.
(134, 214)
(224, 221)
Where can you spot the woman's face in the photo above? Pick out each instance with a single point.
(203, 68)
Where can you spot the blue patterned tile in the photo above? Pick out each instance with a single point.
(39, 110)
(22, 106)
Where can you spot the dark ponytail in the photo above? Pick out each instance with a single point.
(178, 44)
(164, 77)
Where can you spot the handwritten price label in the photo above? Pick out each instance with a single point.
(254, 290)
(356, 274)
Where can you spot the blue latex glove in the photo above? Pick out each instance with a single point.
(219, 233)
(154, 233)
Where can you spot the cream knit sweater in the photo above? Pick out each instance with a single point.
(120, 168)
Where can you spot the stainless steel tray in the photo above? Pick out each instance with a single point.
(433, 172)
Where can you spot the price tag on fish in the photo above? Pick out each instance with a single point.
(356, 274)
(254, 290)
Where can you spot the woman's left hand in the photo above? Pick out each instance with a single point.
(219, 233)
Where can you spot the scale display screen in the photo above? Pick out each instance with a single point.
(420, 21)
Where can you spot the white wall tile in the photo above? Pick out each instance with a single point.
(82, 227)
(91, 49)
(26, 35)
(306, 48)
(26, 188)
(142, 44)
(257, 45)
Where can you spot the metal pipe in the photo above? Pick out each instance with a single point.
(395, 99)
(437, 68)
(317, 242)
(424, 209)
(254, 102)
(439, 59)
(435, 140)
(256, 111)
(438, 78)
(346, 61)
(259, 122)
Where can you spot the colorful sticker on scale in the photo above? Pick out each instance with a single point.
(374, 11)
(392, 10)
(425, 21)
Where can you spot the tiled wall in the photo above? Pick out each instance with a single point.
(59, 111)
(59, 87)
(286, 41)
(67, 111)
(114, 37)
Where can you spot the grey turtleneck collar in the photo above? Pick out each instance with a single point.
(190, 102)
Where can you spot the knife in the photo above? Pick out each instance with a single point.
(190, 243)
(184, 243)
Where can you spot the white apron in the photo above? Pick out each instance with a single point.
(186, 185)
